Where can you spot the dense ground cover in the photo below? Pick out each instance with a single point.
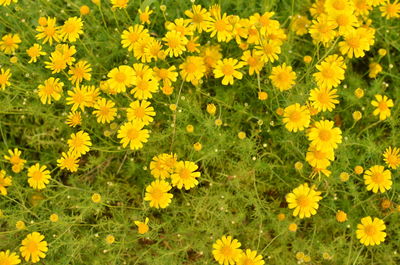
(166, 126)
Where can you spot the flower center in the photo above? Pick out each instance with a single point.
(226, 251)
(184, 173)
(227, 69)
(32, 247)
(220, 25)
(120, 77)
(328, 73)
(353, 42)
(157, 194)
(295, 116)
(370, 230)
(140, 112)
(324, 135)
(303, 201)
(377, 178)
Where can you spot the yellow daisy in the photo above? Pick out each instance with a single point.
(15, 159)
(323, 99)
(74, 118)
(185, 175)
(167, 75)
(157, 194)
(162, 166)
(192, 69)
(68, 161)
(220, 27)
(57, 62)
(371, 232)
(390, 10)
(9, 43)
(132, 35)
(133, 134)
(51, 89)
(143, 227)
(34, 247)
(377, 178)
(5, 181)
(78, 98)
(104, 110)
(144, 87)
(250, 257)
(49, 32)
(254, 60)
(323, 29)
(383, 105)
(282, 77)
(269, 50)
(324, 136)
(355, 42)
(121, 77)
(141, 111)
(38, 176)
(4, 78)
(227, 68)
(79, 143)
(319, 158)
(296, 117)
(226, 250)
(7, 2)
(391, 157)
(34, 52)
(331, 71)
(175, 43)
(304, 200)
(71, 29)
(7, 257)
(121, 4)
(81, 70)
(144, 16)
(199, 17)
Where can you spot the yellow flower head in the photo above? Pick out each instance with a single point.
(7, 257)
(296, 117)
(304, 200)
(79, 143)
(383, 105)
(185, 175)
(33, 247)
(39, 176)
(133, 134)
(227, 250)
(5, 181)
(378, 179)
(371, 232)
(157, 194)
(9, 43)
(143, 227)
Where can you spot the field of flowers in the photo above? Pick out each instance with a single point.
(199, 132)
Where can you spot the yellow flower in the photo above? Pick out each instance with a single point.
(323, 99)
(9, 43)
(377, 178)
(254, 60)
(346, 21)
(79, 143)
(392, 157)
(390, 10)
(211, 55)
(144, 87)
(71, 29)
(119, 4)
(292, 227)
(38, 176)
(371, 232)
(269, 50)
(121, 77)
(192, 69)
(48, 31)
(81, 70)
(374, 69)
(4, 78)
(68, 161)
(132, 35)
(282, 77)
(52, 88)
(219, 26)
(185, 175)
(167, 75)
(141, 111)
(300, 25)
(383, 105)
(323, 29)
(296, 117)
(57, 62)
(143, 228)
(54, 218)
(175, 43)
(331, 72)
(250, 257)
(20, 225)
(7, 257)
(324, 136)
(198, 17)
(157, 194)
(304, 200)
(356, 41)
(344, 176)
(133, 134)
(163, 165)
(84, 10)
(104, 110)
(110, 239)
(341, 216)
(6, 3)
(334, 6)
(96, 198)
(34, 52)
(226, 68)
(74, 118)
(5, 181)
(144, 16)
(319, 158)
(33, 247)
(227, 251)
(15, 159)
